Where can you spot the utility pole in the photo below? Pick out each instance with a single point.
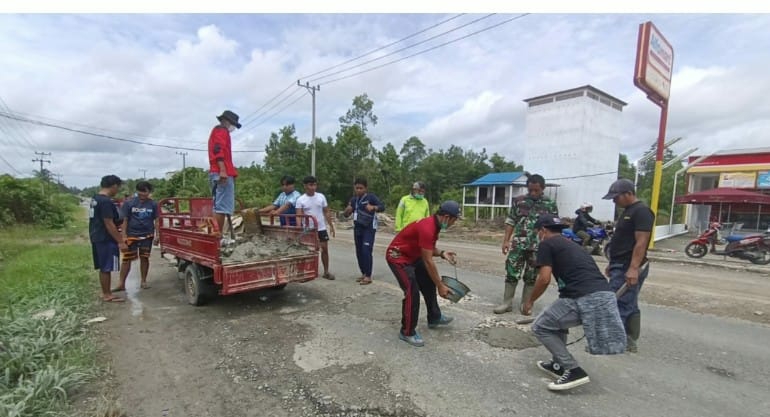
(312, 90)
(43, 174)
(40, 159)
(184, 165)
(144, 173)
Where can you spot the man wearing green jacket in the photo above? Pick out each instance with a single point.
(412, 207)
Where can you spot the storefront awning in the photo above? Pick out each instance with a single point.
(728, 168)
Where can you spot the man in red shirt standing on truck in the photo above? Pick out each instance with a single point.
(222, 172)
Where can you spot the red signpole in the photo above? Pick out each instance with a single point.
(654, 66)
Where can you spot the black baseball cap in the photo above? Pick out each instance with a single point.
(619, 187)
(549, 221)
(450, 207)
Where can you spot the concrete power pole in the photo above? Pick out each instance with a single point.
(184, 165)
(40, 159)
(312, 90)
(144, 173)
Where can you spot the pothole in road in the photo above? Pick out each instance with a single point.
(721, 371)
(505, 335)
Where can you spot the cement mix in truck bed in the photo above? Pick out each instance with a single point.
(261, 247)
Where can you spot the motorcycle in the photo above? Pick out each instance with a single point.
(598, 234)
(755, 247)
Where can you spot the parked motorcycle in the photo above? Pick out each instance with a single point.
(598, 235)
(755, 247)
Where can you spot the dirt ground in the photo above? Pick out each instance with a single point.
(275, 353)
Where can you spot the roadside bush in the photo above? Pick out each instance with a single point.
(22, 202)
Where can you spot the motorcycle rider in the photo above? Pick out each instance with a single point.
(583, 221)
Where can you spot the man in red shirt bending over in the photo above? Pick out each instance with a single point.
(410, 257)
(222, 173)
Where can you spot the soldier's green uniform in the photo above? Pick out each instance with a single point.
(522, 217)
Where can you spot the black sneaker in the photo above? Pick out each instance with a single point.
(551, 368)
(571, 378)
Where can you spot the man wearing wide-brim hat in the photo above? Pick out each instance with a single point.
(222, 172)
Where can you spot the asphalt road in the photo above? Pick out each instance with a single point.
(331, 348)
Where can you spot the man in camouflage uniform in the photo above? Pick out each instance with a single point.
(520, 241)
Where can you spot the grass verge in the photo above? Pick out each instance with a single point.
(46, 292)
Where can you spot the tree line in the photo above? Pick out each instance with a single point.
(390, 172)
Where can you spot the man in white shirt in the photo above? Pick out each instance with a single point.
(314, 204)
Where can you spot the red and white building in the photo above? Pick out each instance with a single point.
(744, 169)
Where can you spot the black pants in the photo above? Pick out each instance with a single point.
(414, 279)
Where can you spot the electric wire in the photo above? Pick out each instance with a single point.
(403, 49)
(268, 110)
(384, 46)
(429, 49)
(249, 119)
(85, 132)
(276, 113)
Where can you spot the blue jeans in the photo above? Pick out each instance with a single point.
(364, 240)
(628, 303)
(223, 194)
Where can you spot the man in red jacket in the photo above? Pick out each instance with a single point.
(222, 172)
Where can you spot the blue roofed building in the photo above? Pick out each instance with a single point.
(491, 195)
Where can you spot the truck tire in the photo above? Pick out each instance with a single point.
(181, 268)
(194, 286)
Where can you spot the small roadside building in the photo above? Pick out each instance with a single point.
(491, 195)
(729, 186)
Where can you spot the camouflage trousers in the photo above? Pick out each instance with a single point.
(520, 264)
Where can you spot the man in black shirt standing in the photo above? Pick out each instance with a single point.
(106, 240)
(584, 298)
(628, 254)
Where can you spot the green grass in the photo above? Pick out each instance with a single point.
(42, 361)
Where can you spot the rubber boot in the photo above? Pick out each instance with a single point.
(525, 293)
(507, 305)
(633, 328)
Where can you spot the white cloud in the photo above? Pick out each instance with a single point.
(163, 78)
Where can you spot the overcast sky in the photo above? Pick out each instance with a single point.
(163, 79)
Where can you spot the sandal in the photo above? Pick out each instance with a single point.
(360, 278)
(113, 299)
(365, 281)
(329, 276)
(118, 289)
(145, 286)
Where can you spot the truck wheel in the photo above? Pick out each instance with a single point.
(181, 268)
(279, 287)
(194, 287)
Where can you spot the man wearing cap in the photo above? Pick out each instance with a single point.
(627, 252)
(410, 257)
(412, 207)
(584, 298)
(313, 203)
(222, 172)
(520, 240)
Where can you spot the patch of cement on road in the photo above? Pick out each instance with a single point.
(336, 398)
(720, 371)
(498, 333)
(378, 306)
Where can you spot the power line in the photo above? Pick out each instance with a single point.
(404, 48)
(40, 123)
(276, 113)
(11, 166)
(584, 176)
(265, 105)
(430, 49)
(94, 128)
(249, 116)
(23, 134)
(384, 46)
(278, 103)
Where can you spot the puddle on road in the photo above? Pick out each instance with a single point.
(132, 290)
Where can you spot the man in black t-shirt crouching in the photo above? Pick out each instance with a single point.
(628, 254)
(584, 298)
